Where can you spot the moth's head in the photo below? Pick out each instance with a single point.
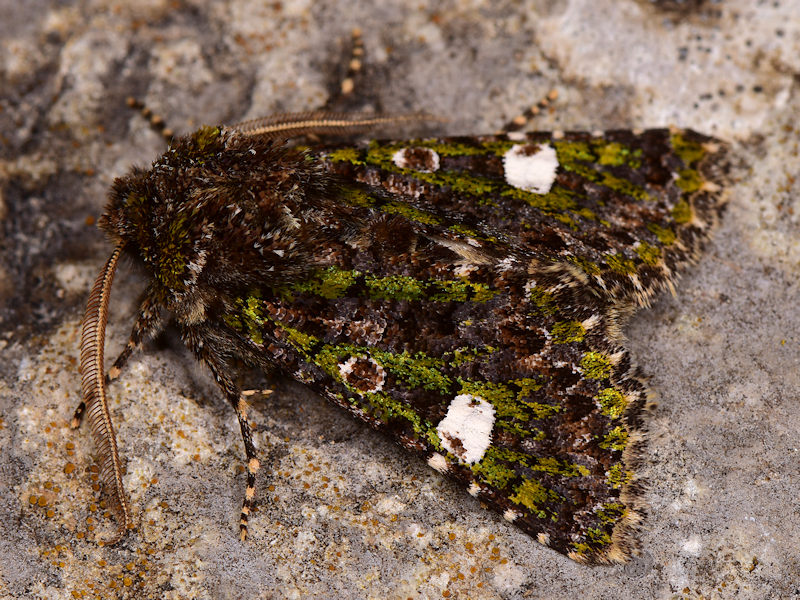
(218, 204)
(156, 214)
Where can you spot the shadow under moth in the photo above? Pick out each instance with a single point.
(462, 295)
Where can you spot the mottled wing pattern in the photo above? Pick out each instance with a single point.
(469, 302)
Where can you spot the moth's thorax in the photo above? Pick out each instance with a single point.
(218, 208)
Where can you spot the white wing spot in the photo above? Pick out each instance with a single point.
(531, 167)
(362, 374)
(416, 158)
(466, 430)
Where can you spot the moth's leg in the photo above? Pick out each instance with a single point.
(354, 70)
(156, 121)
(204, 343)
(248, 393)
(523, 118)
(354, 64)
(148, 323)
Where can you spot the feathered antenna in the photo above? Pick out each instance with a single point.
(93, 337)
(286, 125)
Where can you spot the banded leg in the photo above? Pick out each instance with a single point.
(354, 65)
(342, 96)
(148, 323)
(523, 118)
(156, 121)
(203, 342)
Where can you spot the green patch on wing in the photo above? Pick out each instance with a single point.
(616, 439)
(398, 207)
(537, 499)
(611, 512)
(500, 466)
(612, 402)
(650, 255)
(682, 212)
(394, 287)
(619, 264)
(665, 235)
(333, 282)
(544, 301)
(582, 158)
(618, 476)
(688, 151)
(565, 332)
(330, 283)
(466, 355)
(595, 365)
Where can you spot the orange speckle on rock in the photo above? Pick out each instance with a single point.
(33, 499)
(42, 501)
(452, 536)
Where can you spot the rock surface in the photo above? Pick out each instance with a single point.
(344, 513)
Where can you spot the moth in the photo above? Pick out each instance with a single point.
(465, 296)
